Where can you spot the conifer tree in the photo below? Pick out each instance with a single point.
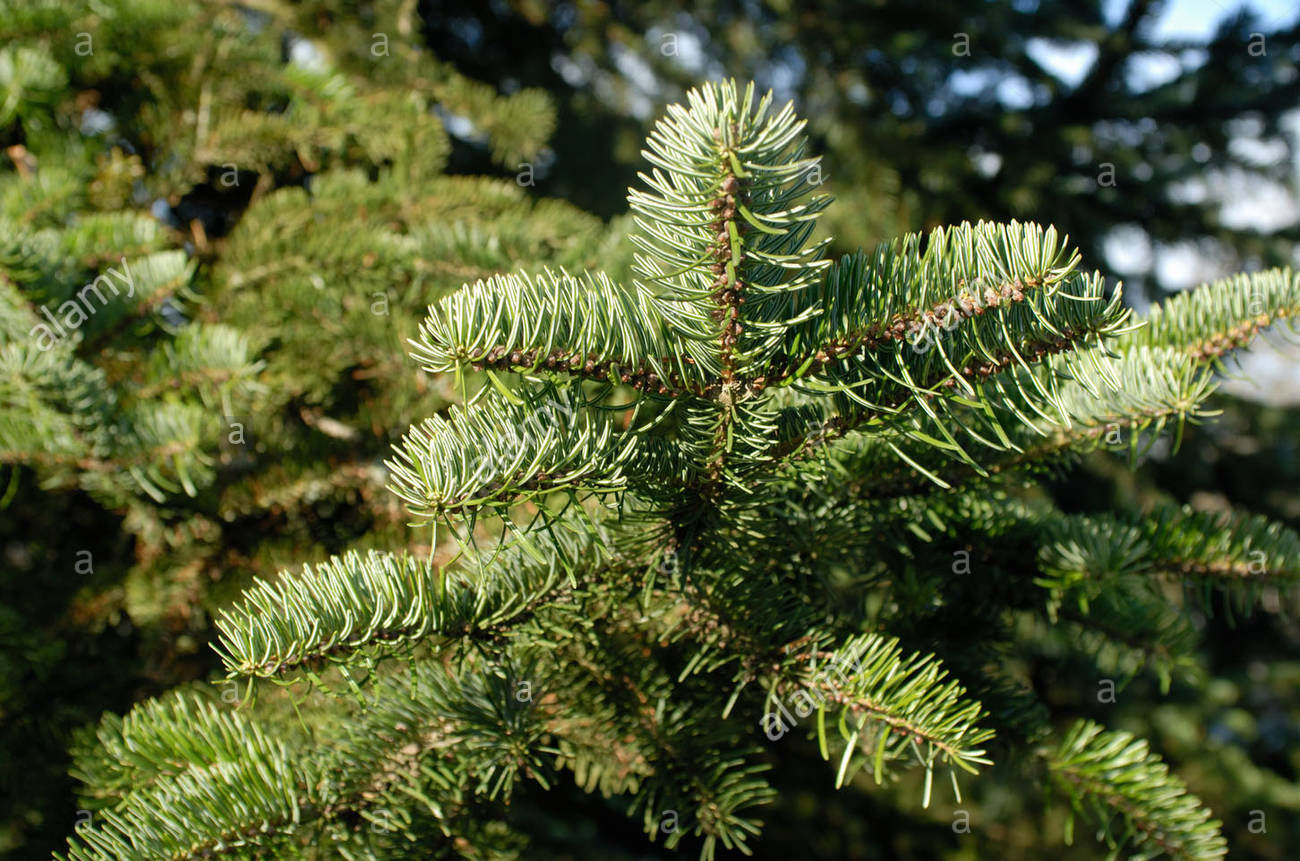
(218, 224)
(747, 495)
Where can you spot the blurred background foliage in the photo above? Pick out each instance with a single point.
(1088, 115)
(303, 178)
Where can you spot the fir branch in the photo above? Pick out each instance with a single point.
(876, 390)
(1208, 322)
(588, 327)
(225, 808)
(101, 239)
(463, 730)
(1121, 396)
(689, 764)
(899, 293)
(1127, 629)
(232, 791)
(504, 449)
(723, 239)
(1238, 554)
(1117, 782)
(214, 359)
(162, 739)
(913, 704)
(387, 603)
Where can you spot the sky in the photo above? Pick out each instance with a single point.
(1181, 19)
(1264, 208)
(1198, 17)
(1269, 368)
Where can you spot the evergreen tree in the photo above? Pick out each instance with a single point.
(218, 225)
(745, 496)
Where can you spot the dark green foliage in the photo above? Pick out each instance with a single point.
(661, 527)
(747, 495)
(231, 249)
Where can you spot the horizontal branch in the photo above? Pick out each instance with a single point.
(1236, 554)
(389, 602)
(586, 327)
(1102, 400)
(899, 291)
(1211, 320)
(934, 391)
(502, 449)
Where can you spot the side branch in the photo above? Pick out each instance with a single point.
(839, 426)
(643, 377)
(904, 326)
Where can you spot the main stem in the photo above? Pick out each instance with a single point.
(727, 294)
